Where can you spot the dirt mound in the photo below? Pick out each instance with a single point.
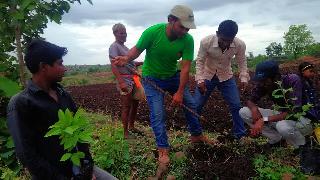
(213, 162)
(295, 63)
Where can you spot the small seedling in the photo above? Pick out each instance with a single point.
(71, 131)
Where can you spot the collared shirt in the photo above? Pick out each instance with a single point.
(212, 61)
(288, 81)
(30, 114)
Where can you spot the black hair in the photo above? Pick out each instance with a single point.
(228, 28)
(40, 51)
(304, 66)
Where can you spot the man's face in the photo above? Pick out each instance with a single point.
(178, 30)
(309, 73)
(267, 83)
(224, 41)
(55, 72)
(121, 35)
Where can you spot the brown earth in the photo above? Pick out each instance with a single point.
(204, 161)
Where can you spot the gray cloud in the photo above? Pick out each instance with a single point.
(260, 22)
(208, 12)
(203, 5)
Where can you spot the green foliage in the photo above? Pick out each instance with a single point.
(274, 50)
(293, 111)
(253, 61)
(8, 174)
(313, 50)
(81, 69)
(31, 16)
(86, 79)
(7, 153)
(8, 87)
(8, 160)
(296, 40)
(111, 151)
(270, 170)
(24, 20)
(71, 130)
(8, 66)
(179, 166)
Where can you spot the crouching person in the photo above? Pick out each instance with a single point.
(35, 109)
(270, 123)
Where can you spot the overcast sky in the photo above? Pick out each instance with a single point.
(86, 29)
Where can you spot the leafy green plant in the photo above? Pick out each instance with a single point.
(294, 112)
(317, 132)
(8, 66)
(71, 130)
(111, 151)
(8, 160)
(270, 170)
(8, 174)
(8, 87)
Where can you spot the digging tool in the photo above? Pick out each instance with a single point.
(165, 92)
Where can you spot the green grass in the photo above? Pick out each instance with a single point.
(85, 79)
(135, 158)
(142, 150)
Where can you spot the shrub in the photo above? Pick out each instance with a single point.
(8, 161)
(111, 151)
(270, 170)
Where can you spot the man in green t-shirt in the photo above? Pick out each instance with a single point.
(165, 44)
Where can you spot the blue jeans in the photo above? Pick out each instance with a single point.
(156, 105)
(230, 94)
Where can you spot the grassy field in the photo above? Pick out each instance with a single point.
(81, 79)
(135, 158)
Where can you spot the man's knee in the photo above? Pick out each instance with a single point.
(284, 128)
(102, 174)
(245, 113)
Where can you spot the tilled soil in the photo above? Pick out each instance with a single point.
(212, 162)
(205, 162)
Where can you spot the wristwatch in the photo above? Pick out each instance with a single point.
(265, 119)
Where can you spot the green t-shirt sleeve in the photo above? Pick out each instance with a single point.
(145, 39)
(188, 52)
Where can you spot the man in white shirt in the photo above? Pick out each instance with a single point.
(213, 69)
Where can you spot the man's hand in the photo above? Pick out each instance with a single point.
(177, 99)
(120, 60)
(256, 115)
(257, 127)
(123, 86)
(243, 86)
(93, 177)
(202, 88)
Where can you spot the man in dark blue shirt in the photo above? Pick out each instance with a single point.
(270, 123)
(35, 109)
